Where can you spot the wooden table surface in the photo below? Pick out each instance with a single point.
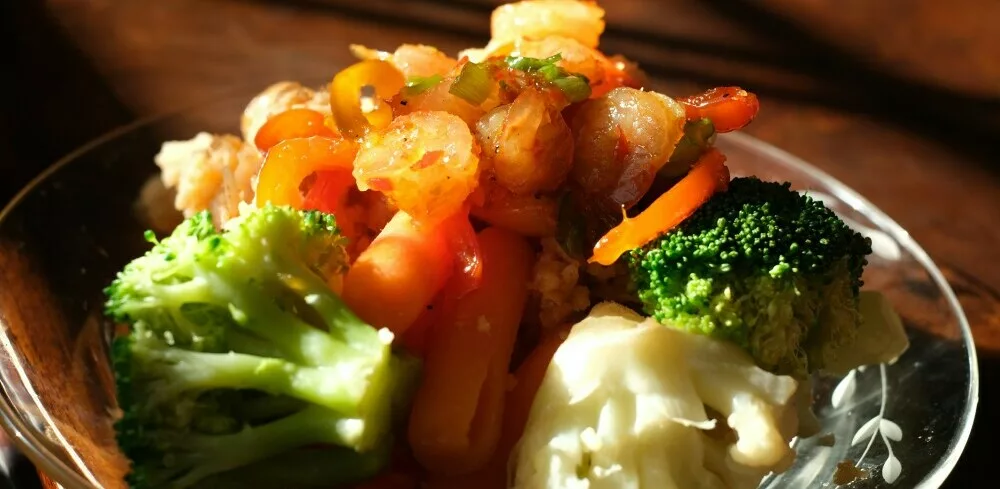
(900, 99)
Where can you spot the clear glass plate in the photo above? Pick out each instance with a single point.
(64, 236)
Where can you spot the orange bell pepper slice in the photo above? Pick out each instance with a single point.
(354, 117)
(328, 192)
(289, 162)
(708, 176)
(291, 124)
(729, 108)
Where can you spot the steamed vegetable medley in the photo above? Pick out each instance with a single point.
(515, 267)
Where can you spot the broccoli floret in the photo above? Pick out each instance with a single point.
(763, 266)
(239, 351)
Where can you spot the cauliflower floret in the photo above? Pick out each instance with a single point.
(209, 171)
(277, 98)
(625, 403)
(556, 280)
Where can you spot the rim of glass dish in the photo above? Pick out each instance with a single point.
(27, 440)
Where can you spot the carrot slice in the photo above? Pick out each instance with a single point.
(398, 274)
(456, 418)
(414, 339)
(529, 377)
(708, 176)
(291, 124)
(517, 407)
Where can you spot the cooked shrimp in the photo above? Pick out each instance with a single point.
(426, 163)
(422, 60)
(209, 172)
(527, 215)
(622, 139)
(411, 59)
(536, 19)
(494, 48)
(277, 98)
(528, 144)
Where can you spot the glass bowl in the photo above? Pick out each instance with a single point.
(65, 235)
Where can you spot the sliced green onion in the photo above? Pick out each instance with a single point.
(551, 72)
(570, 226)
(525, 63)
(415, 85)
(576, 88)
(473, 84)
(698, 137)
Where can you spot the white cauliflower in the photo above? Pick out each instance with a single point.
(625, 404)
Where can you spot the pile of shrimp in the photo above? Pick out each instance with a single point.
(470, 188)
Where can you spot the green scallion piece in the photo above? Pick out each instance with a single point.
(570, 227)
(575, 86)
(473, 84)
(698, 136)
(415, 85)
(525, 63)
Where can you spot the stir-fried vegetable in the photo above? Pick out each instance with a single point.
(708, 176)
(729, 108)
(358, 95)
(763, 266)
(397, 276)
(289, 162)
(576, 87)
(483, 204)
(455, 423)
(473, 84)
(415, 85)
(292, 124)
(624, 404)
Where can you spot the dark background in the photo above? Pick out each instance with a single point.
(899, 99)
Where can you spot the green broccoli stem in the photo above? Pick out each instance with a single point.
(266, 408)
(340, 320)
(305, 469)
(294, 338)
(207, 455)
(334, 387)
(260, 313)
